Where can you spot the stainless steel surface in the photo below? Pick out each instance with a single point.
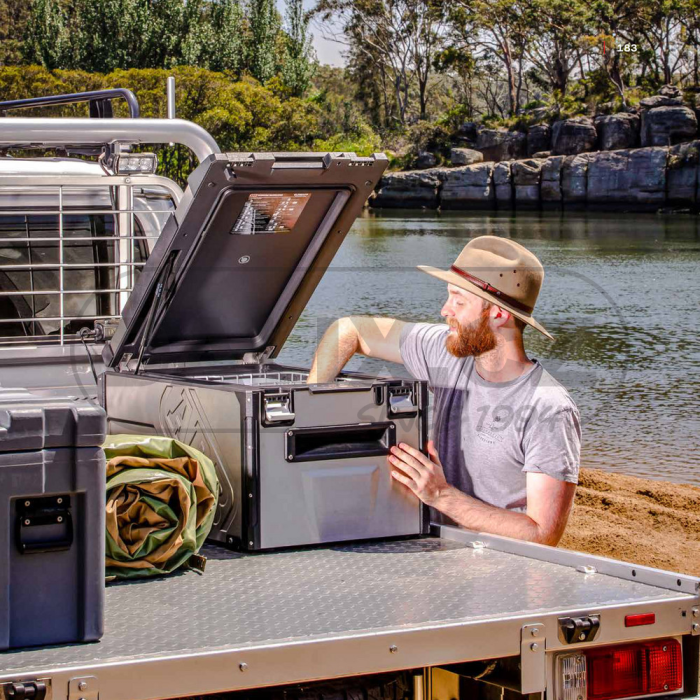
(334, 498)
(63, 132)
(84, 688)
(586, 565)
(246, 602)
(171, 97)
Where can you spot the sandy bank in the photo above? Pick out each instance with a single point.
(653, 523)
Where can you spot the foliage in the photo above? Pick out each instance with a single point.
(393, 43)
(418, 72)
(13, 15)
(364, 142)
(241, 115)
(425, 137)
(264, 28)
(219, 35)
(298, 66)
(46, 39)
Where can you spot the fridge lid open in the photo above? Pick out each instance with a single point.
(238, 261)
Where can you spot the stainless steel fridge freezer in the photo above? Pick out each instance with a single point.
(193, 357)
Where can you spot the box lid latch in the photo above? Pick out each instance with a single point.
(401, 400)
(278, 408)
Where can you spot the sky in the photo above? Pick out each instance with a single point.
(328, 51)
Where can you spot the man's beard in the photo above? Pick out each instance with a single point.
(473, 340)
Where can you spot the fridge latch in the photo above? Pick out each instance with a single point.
(401, 400)
(278, 408)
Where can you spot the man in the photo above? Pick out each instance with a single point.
(505, 456)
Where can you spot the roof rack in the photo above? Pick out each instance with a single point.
(16, 132)
(100, 102)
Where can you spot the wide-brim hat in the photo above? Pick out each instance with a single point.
(500, 271)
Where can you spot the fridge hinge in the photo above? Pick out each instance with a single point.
(40, 689)
(126, 364)
(258, 358)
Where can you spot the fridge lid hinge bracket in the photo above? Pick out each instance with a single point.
(258, 358)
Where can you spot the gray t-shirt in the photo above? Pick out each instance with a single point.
(489, 434)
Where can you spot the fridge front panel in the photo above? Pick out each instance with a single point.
(335, 483)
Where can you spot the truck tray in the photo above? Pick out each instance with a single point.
(298, 615)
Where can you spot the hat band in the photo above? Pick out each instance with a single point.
(492, 290)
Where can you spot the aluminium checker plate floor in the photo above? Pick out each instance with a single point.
(246, 600)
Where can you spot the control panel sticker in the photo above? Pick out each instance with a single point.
(274, 212)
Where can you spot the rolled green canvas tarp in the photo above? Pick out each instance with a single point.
(161, 501)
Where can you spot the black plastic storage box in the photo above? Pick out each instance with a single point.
(229, 276)
(52, 510)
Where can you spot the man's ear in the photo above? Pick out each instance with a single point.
(499, 317)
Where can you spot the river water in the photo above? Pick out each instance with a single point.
(621, 296)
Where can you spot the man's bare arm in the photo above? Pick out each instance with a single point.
(549, 500)
(367, 335)
(549, 503)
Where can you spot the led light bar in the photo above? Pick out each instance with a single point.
(641, 669)
(136, 163)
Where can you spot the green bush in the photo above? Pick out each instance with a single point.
(364, 142)
(241, 115)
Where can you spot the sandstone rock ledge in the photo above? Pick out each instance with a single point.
(636, 178)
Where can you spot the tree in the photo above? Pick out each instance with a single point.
(396, 39)
(298, 67)
(46, 38)
(228, 26)
(13, 21)
(662, 26)
(557, 44)
(615, 19)
(163, 34)
(429, 30)
(262, 44)
(104, 34)
(494, 30)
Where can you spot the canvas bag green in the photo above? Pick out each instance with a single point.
(161, 502)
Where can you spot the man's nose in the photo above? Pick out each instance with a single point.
(446, 311)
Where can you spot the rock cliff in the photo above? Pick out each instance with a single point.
(632, 178)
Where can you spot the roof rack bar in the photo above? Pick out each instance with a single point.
(100, 102)
(20, 132)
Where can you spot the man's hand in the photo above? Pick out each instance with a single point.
(423, 475)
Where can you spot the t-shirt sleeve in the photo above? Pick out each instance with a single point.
(552, 444)
(422, 348)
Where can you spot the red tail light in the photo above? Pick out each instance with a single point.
(634, 669)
